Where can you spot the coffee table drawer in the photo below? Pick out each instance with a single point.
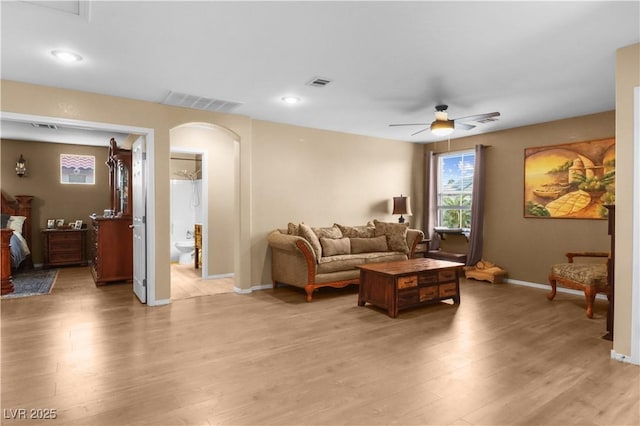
(408, 297)
(407, 282)
(446, 290)
(428, 293)
(447, 275)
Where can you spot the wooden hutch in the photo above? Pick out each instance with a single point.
(112, 234)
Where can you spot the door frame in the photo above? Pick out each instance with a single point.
(148, 134)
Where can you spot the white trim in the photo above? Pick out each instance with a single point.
(159, 302)
(217, 276)
(148, 133)
(635, 273)
(548, 287)
(252, 289)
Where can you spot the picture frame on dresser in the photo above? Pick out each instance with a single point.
(77, 224)
(51, 223)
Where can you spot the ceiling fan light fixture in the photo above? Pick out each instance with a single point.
(442, 128)
(66, 56)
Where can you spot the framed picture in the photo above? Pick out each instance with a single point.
(78, 224)
(77, 169)
(51, 223)
(570, 181)
(59, 223)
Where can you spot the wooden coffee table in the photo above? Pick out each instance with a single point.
(408, 283)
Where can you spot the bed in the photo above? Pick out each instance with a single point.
(15, 244)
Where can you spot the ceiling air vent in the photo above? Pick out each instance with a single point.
(319, 82)
(198, 102)
(44, 126)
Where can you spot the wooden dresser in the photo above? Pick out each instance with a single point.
(112, 249)
(62, 247)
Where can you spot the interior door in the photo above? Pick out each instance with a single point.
(139, 219)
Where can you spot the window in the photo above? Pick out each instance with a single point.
(455, 187)
(77, 169)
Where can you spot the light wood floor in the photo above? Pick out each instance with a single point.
(506, 355)
(186, 282)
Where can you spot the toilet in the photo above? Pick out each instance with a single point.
(186, 249)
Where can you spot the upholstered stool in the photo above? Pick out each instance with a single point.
(485, 271)
(588, 277)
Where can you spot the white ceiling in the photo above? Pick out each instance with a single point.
(389, 62)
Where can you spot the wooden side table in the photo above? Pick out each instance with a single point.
(64, 247)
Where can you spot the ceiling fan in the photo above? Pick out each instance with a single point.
(442, 126)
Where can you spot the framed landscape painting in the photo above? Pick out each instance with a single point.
(570, 181)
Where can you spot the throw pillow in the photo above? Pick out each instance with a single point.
(328, 232)
(292, 229)
(369, 245)
(307, 233)
(357, 231)
(335, 246)
(396, 234)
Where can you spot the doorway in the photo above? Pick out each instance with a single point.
(147, 257)
(203, 192)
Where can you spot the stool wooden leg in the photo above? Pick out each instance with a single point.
(552, 281)
(590, 296)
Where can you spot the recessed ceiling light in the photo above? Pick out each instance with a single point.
(66, 56)
(291, 99)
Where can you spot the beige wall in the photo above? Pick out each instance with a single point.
(219, 148)
(53, 200)
(627, 78)
(527, 247)
(320, 177)
(22, 98)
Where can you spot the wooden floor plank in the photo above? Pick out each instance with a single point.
(505, 355)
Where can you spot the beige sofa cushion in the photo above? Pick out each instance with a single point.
(368, 245)
(335, 246)
(347, 262)
(396, 234)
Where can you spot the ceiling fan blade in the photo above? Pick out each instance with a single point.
(479, 117)
(463, 126)
(420, 131)
(412, 124)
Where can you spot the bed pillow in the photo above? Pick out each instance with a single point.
(5, 220)
(16, 222)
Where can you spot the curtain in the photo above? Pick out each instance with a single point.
(476, 238)
(431, 200)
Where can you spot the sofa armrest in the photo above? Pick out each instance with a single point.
(293, 261)
(414, 237)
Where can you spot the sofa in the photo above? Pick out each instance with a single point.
(311, 258)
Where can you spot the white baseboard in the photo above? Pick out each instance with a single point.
(217, 276)
(623, 358)
(159, 302)
(548, 287)
(252, 289)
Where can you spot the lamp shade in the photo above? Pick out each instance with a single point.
(442, 127)
(402, 205)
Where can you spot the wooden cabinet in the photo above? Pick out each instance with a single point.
(63, 247)
(399, 285)
(119, 163)
(112, 249)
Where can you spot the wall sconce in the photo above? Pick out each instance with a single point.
(402, 205)
(21, 166)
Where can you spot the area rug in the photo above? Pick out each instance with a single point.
(32, 283)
